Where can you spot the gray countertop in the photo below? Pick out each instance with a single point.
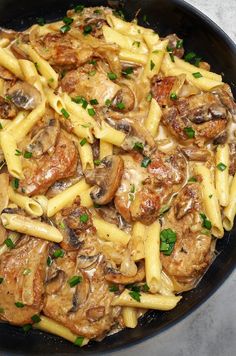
(211, 329)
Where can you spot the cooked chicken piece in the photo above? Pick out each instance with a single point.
(24, 96)
(161, 89)
(205, 114)
(86, 307)
(41, 173)
(106, 178)
(74, 223)
(23, 271)
(175, 45)
(7, 110)
(192, 252)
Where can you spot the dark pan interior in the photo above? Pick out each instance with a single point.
(209, 42)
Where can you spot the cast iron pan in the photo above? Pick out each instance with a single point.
(203, 37)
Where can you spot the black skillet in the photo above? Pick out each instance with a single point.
(209, 42)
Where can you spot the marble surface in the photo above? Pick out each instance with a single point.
(211, 329)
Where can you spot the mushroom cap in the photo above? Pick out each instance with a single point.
(106, 177)
(25, 95)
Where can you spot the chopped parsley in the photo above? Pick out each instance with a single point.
(18, 153)
(26, 272)
(135, 295)
(67, 20)
(197, 61)
(205, 222)
(145, 162)
(65, 113)
(179, 44)
(83, 142)
(41, 21)
(97, 162)
(221, 166)
(35, 318)
(9, 243)
(112, 76)
(197, 75)
(84, 218)
(138, 146)
(136, 43)
(173, 96)
(58, 253)
(27, 154)
(145, 288)
(189, 131)
(73, 281)
(36, 65)
(132, 189)
(210, 196)
(192, 180)
(91, 112)
(62, 225)
(65, 28)
(49, 261)
(27, 327)
(108, 102)
(19, 305)
(149, 97)
(113, 288)
(79, 341)
(79, 8)
(172, 57)
(15, 183)
(189, 56)
(152, 65)
(50, 80)
(127, 71)
(87, 30)
(93, 102)
(92, 73)
(1, 126)
(168, 239)
(120, 106)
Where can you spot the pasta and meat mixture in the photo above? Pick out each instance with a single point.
(118, 165)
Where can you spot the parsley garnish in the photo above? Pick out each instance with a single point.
(83, 218)
(145, 162)
(205, 222)
(65, 113)
(83, 142)
(189, 131)
(168, 239)
(112, 76)
(221, 166)
(73, 281)
(197, 75)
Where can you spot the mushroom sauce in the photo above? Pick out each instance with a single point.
(109, 162)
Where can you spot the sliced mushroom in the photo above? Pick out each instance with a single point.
(24, 95)
(71, 240)
(7, 109)
(87, 262)
(45, 140)
(114, 276)
(221, 138)
(81, 294)
(124, 96)
(96, 313)
(195, 153)
(173, 45)
(55, 283)
(106, 177)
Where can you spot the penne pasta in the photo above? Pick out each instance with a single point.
(105, 149)
(110, 232)
(110, 135)
(126, 27)
(148, 301)
(85, 198)
(4, 42)
(13, 161)
(9, 62)
(130, 317)
(154, 117)
(55, 101)
(34, 228)
(132, 57)
(230, 210)
(28, 204)
(222, 174)
(136, 244)
(85, 154)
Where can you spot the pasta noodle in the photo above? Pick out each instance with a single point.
(230, 209)
(9, 147)
(26, 203)
(110, 232)
(10, 62)
(222, 174)
(153, 119)
(130, 317)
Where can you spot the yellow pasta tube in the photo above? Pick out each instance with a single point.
(53, 327)
(130, 317)
(125, 42)
(151, 39)
(180, 63)
(66, 197)
(86, 155)
(14, 125)
(26, 203)
(43, 66)
(152, 257)
(230, 210)
(42, 201)
(9, 62)
(136, 244)
(147, 301)
(126, 27)
(105, 149)
(222, 174)
(132, 57)
(110, 135)
(210, 200)
(55, 101)
(155, 59)
(4, 42)
(153, 119)
(13, 161)
(31, 227)
(110, 232)
(85, 198)
(29, 70)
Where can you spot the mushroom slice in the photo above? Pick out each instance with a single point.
(194, 153)
(126, 97)
(45, 139)
(95, 314)
(106, 177)
(85, 262)
(114, 276)
(24, 95)
(55, 283)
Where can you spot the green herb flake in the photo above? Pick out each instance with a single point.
(145, 162)
(138, 146)
(93, 102)
(15, 183)
(127, 71)
(92, 73)
(27, 327)
(62, 225)
(73, 281)
(9, 243)
(8, 97)
(120, 106)
(132, 189)
(65, 113)
(119, 13)
(189, 131)
(168, 239)
(113, 288)
(84, 218)
(65, 28)
(112, 76)
(36, 65)
(50, 80)
(93, 62)
(87, 30)
(35, 318)
(91, 112)
(58, 253)
(205, 222)
(149, 97)
(79, 8)
(67, 20)
(26, 272)
(221, 166)
(136, 43)
(172, 57)
(210, 196)
(79, 341)
(145, 288)
(152, 65)
(1, 280)
(173, 96)
(197, 61)
(108, 102)
(18, 153)
(189, 56)
(197, 75)
(1, 127)
(97, 162)
(83, 142)
(97, 11)
(19, 305)
(192, 180)
(135, 295)
(156, 51)
(27, 154)
(49, 261)
(179, 44)
(41, 21)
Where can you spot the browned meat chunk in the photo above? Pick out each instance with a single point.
(161, 89)
(7, 110)
(41, 173)
(23, 271)
(192, 252)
